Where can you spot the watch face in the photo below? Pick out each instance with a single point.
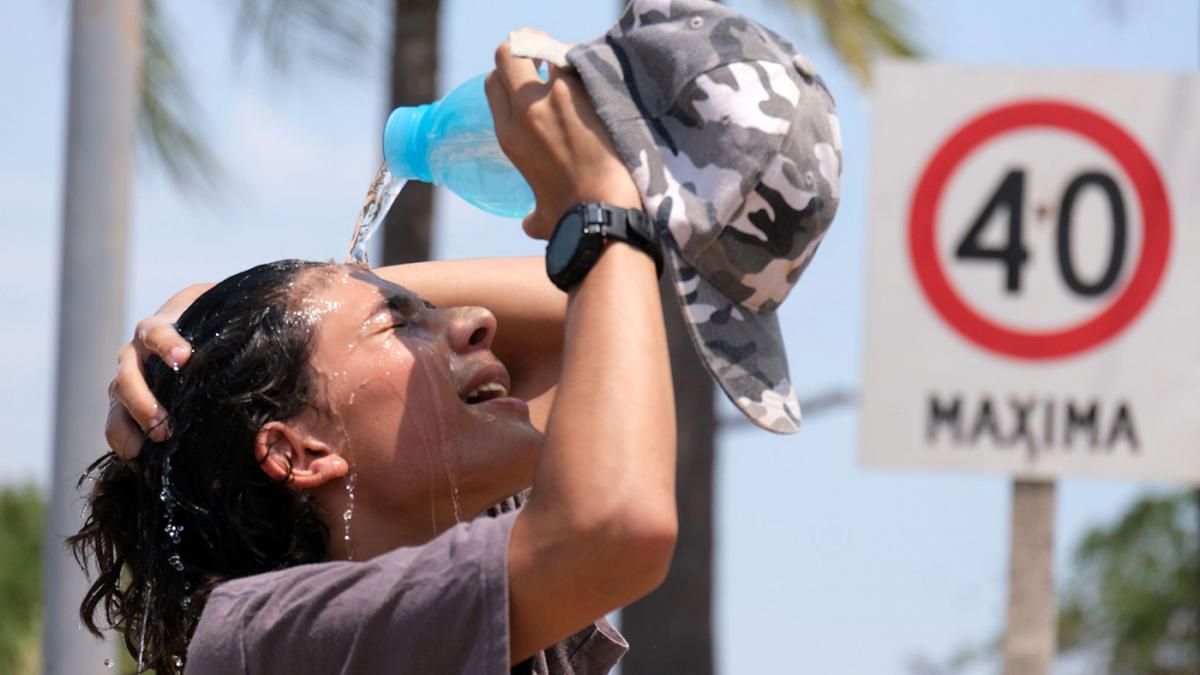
(563, 244)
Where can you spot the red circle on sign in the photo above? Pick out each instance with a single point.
(1156, 225)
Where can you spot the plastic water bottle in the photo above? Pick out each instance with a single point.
(452, 143)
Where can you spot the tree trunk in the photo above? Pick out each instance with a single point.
(106, 42)
(407, 232)
(670, 630)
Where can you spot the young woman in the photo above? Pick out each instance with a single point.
(308, 496)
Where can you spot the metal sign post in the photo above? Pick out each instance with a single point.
(1031, 622)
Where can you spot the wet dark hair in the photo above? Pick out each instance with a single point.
(158, 544)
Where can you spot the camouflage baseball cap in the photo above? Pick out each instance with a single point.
(732, 139)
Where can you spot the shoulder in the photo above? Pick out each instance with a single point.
(411, 601)
(463, 551)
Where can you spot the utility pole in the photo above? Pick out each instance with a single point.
(106, 45)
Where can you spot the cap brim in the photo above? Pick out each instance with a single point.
(742, 350)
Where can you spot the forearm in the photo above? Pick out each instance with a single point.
(600, 529)
(615, 415)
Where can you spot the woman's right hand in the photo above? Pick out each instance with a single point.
(133, 412)
(553, 136)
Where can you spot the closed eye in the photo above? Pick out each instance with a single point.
(400, 304)
(404, 310)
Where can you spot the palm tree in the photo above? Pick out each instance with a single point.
(414, 81)
(101, 113)
(334, 33)
(859, 31)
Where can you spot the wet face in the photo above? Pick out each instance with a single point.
(414, 398)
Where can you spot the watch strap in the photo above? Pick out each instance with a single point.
(601, 223)
(633, 227)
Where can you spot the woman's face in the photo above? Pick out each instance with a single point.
(415, 400)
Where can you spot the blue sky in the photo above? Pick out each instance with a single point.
(821, 564)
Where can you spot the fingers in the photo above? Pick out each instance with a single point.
(157, 335)
(134, 408)
(122, 434)
(130, 391)
(518, 76)
(535, 225)
(498, 102)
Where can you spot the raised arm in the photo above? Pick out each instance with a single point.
(600, 529)
(528, 309)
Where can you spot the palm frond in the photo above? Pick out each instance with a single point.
(336, 33)
(861, 30)
(167, 110)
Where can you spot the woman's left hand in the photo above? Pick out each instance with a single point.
(556, 140)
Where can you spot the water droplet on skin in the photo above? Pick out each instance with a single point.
(175, 562)
(177, 661)
(455, 501)
(348, 514)
(108, 663)
(439, 435)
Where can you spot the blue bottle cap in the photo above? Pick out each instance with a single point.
(404, 143)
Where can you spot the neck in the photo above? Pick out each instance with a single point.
(373, 533)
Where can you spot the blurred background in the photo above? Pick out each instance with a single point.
(259, 130)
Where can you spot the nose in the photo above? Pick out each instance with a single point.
(470, 328)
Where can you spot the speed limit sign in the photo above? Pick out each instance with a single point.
(1033, 295)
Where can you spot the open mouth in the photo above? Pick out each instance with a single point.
(487, 383)
(486, 392)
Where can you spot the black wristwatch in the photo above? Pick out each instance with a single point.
(579, 238)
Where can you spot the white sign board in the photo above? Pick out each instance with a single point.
(1033, 292)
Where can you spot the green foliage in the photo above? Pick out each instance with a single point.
(22, 514)
(1134, 598)
(333, 33)
(861, 30)
(167, 112)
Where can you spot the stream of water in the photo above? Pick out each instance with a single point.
(375, 208)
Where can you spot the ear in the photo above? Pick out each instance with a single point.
(282, 448)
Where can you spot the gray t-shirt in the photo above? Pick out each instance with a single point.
(437, 608)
